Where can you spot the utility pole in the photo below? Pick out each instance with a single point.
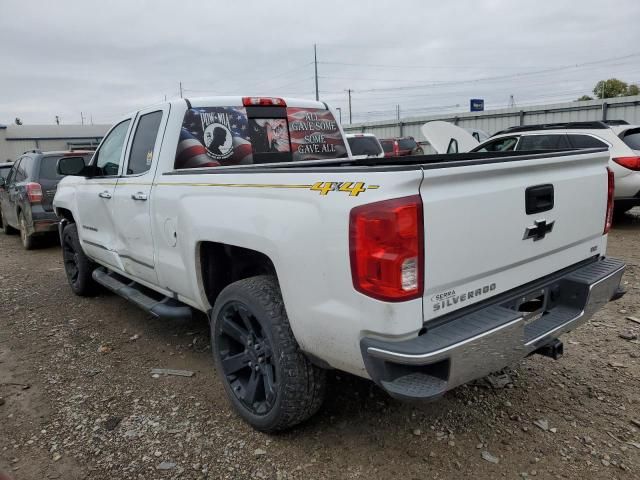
(57, 120)
(180, 89)
(315, 65)
(512, 101)
(398, 112)
(340, 112)
(349, 92)
(81, 118)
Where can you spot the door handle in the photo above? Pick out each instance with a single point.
(139, 196)
(104, 194)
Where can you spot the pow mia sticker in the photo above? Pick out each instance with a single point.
(218, 139)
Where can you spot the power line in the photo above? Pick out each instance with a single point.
(501, 77)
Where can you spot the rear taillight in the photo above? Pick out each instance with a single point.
(632, 163)
(386, 249)
(608, 221)
(396, 149)
(34, 192)
(263, 101)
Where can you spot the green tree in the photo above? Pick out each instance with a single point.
(633, 90)
(584, 97)
(611, 88)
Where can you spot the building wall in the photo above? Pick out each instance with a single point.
(491, 121)
(13, 148)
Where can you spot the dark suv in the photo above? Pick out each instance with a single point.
(399, 147)
(26, 194)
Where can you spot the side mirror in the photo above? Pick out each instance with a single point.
(71, 166)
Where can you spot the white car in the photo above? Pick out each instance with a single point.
(364, 144)
(417, 272)
(622, 140)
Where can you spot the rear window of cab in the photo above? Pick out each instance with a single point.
(223, 136)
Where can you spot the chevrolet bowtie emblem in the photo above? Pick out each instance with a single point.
(539, 230)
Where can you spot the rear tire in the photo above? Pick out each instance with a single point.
(6, 228)
(28, 242)
(270, 383)
(77, 266)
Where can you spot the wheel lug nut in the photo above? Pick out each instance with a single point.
(257, 368)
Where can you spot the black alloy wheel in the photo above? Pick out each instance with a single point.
(70, 258)
(247, 358)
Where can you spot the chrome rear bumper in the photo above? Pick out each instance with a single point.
(479, 341)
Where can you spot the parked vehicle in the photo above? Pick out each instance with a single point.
(622, 140)
(400, 147)
(26, 194)
(418, 273)
(364, 144)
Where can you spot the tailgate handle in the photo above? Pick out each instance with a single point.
(538, 198)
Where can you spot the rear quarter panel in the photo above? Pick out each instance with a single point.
(303, 232)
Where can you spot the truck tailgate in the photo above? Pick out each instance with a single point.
(479, 239)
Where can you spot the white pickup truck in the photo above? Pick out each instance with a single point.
(420, 273)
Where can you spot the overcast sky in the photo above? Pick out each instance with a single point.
(107, 58)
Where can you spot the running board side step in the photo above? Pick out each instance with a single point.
(157, 305)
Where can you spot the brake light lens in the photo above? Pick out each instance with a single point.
(610, 189)
(263, 101)
(34, 192)
(632, 163)
(396, 148)
(387, 249)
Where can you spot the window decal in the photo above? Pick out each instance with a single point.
(314, 134)
(214, 136)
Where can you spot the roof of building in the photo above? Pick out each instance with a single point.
(42, 132)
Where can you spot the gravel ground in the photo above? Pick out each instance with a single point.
(78, 399)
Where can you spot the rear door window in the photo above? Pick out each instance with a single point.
(144, 141)
(505, 144)
(364, 146)
(387, 145)
(543, 142)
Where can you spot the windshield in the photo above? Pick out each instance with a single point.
(364, 146)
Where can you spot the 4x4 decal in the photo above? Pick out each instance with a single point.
(352, 188)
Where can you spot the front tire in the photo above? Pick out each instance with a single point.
(270, 383)
(27, 240)
(77, 265)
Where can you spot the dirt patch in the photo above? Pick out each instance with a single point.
(93, 409)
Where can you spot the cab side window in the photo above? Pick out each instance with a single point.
(144, 142)
(107, 158)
